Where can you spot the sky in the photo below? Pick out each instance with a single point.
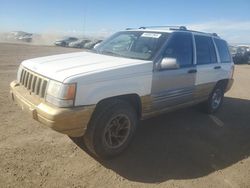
(228, 18)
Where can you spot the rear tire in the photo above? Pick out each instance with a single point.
(111, 128)
(215, 99)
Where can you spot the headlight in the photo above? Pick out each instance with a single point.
(61, 95)
(19, 73)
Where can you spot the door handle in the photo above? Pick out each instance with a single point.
(192, 71)
(217, 67)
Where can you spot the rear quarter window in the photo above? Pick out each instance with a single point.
(223, 51)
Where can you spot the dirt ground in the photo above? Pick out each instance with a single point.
(186, 148)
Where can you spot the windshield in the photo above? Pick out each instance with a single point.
(133, 44)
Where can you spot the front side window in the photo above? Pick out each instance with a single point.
(223, 51)
(205, 51)
(180, 47)
(133, 44)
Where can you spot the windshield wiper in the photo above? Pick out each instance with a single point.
(110, 53)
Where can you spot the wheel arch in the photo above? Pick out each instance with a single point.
(133, 99)
(223, 83)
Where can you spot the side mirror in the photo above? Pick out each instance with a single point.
(169, 63)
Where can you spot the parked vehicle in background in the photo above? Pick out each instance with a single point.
(79, 43)
(20, 36)
(26, 38)
(242, 55)
(65, 41)
(135, 74)
(91, 44)
(233, 50)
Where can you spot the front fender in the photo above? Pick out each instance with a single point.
(93, 93)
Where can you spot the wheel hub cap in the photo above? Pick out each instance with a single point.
(216, 98)
(117, 131)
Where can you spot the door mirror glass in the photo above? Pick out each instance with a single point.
(169, 63)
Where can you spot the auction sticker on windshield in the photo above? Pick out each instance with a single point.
(151, 35)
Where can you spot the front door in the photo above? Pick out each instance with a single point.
(175, 87)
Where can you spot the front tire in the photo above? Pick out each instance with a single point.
(111, 128)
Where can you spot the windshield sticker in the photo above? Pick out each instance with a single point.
(151, 35)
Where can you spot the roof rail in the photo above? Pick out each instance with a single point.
(212, 34)
(180, 28)
(129, 28)
(167, 27)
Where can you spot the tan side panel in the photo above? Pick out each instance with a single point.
(203, 90)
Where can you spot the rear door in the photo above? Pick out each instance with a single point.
(174, 87)
(225, 59)
(208, 67)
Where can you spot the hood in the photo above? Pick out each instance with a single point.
(61, 67)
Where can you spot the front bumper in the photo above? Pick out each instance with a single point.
(70, 121)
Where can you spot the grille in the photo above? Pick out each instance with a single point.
(33, 82)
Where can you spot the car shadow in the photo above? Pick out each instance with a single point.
(185, 144)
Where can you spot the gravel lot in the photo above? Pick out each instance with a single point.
(186, 148)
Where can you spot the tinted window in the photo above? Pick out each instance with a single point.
(223, 51)
(205, 51)
(180, 46)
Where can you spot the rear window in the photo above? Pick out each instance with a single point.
(223, 51)
(205, 51)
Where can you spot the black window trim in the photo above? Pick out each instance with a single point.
(216, 50)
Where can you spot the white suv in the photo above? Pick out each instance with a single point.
(134, 74)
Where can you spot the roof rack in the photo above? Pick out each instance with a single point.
(167, 27)
(130, 28)
(212, 34)
(180, 28)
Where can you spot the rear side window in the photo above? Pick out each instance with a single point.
(205, 50)
(180, 46)
(223, 51)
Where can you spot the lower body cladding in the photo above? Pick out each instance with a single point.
(74, 121)
(173, 99)
(70, 121)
